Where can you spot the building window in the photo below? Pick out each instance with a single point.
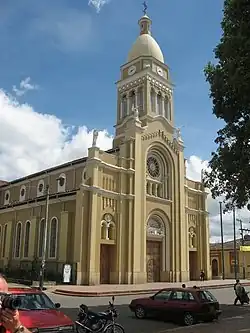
(4, 239)
(40, 188)
(61, 183)
(7, 197)
(22, 193)
(18, 240)
(53, 237)
(26, 239)
(41, 237)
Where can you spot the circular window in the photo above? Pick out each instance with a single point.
(22, 192)
(153, 167)
(40, 187)
(61, 181)
(7, 196)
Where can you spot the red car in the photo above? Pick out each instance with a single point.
(39, 312)
(185, 305)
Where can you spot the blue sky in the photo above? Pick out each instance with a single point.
(74, 54)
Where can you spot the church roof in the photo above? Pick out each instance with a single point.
(145, 44)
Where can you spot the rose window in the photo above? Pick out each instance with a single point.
(153, 167)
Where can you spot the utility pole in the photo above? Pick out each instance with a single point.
(235, 246)
(222, 243)
(242, 231)
(42, 268)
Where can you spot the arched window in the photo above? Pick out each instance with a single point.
(153, 106)
(41, 237)
(53, 237)
(159, 104)
(132, 101)
(166, 108)
(26, 240)
(124, 106)
(4, 238)
(18, 240)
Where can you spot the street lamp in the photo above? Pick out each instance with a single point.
(44, 251)
(222, 242)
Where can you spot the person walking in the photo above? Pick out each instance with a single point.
(238, 289)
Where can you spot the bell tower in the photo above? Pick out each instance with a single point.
(145, 86)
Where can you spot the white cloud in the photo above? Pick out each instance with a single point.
(98, 4)
(31, 141)
(24, 86)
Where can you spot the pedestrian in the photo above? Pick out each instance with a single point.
(9, 319)
(202, 275)
(238, 289)
(183, 285)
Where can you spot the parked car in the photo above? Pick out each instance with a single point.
(37, 311)
(188, 306)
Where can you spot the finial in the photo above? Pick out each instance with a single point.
(145, 7)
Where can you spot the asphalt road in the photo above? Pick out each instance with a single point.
(233, 319)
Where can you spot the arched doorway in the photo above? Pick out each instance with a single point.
(155, 237)
(215, 269)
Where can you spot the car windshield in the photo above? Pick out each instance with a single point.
(205, 294)
(34, 301)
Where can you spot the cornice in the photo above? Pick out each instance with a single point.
(153, 79)
(100, 191)
(160, 134)
(116, 168)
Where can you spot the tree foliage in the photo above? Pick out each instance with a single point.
(229, 81)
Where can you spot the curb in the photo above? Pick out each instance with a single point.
(129, 292)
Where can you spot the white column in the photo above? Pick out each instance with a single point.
(121, 108)
(128, 103)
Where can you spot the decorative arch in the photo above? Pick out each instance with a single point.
(7, 197)
(215, 267)
(41, 237)
(61, 183)
(40, 188)
(53, 237)
(26, 239)
(108, 227)
(158, 228)
(159, 166)
(18, 233)
(22, 194)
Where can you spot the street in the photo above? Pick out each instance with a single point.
(233, 319)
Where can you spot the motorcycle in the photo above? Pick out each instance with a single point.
(91, 322)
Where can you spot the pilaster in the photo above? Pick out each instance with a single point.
(183, 246)
(32, 238)
(63, 236)
(94, 221)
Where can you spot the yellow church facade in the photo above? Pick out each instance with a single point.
(127, 215)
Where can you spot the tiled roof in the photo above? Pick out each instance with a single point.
(3, 182)
(229, 244)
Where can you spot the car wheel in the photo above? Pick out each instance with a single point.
(140, 313)
(188, 319)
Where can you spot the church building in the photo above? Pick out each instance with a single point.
(128, 215)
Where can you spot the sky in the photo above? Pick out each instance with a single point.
(59, 62)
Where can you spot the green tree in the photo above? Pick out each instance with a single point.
(229, 80)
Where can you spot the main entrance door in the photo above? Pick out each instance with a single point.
(153, 261)
(105, 264)
(193, 265)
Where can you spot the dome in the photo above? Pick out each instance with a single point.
(145, 45)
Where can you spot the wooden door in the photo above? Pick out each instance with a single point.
(105, 264)
(153, 261)
(193, 265)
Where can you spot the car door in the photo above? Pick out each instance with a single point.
(159, 305)
(181, 301)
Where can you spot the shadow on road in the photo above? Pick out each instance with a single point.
(127, 319)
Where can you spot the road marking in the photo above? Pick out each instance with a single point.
(244, 330)
(230, 318)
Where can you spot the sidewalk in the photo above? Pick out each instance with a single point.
(135, 289)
